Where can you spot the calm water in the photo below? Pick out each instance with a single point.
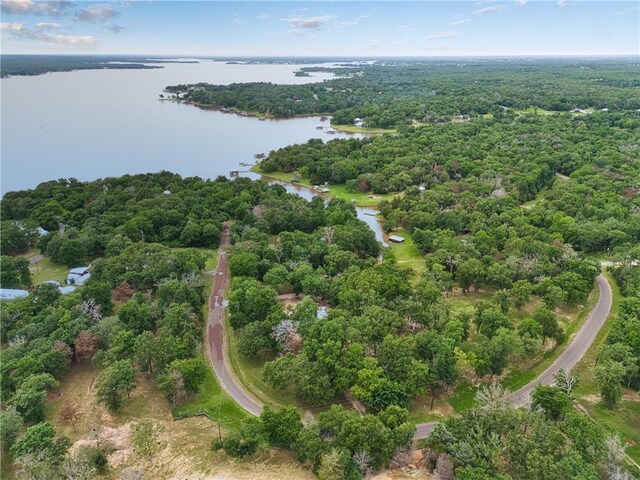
(96, 123)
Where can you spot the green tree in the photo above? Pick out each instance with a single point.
(14, 272)
(244, 264)
(282, 425)
(73, 253)
(192, 371)
(114, 382)
(552, 400)
(10, 427)
(609, 376)
(520, 293)
(40, 439)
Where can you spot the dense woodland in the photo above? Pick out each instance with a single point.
(389, 95)
(509, 206)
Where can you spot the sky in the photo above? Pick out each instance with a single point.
(321, 28)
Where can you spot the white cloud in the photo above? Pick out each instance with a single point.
(263, 16)
(309, 22)
(96, 13)
(441, 36)
(23, 7)
(562, 3)
(64, 39)
(491, 9)
(13, 27)
(22, 31)
(460, 22)
(48, 25)
(520, 3)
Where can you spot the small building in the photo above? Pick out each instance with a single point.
(41, 231)
(396, 239)
(67, 289)
(358, 124)
(12, 293)
(324, 190)
(167, 192)
(78, 276)
(53, 282)
(604, 109)
(321, 314)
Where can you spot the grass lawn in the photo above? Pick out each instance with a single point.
(463, 398)
(407, 253)
(354, 129)
(212, 400)
(338, 191)
(536, 110)
(46, 270)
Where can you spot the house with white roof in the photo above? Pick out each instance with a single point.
(78, 276)
(12, 293)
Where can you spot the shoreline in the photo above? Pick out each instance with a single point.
(262, 116)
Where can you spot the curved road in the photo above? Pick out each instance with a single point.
(218, 349)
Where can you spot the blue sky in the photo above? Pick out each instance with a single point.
(322, 28)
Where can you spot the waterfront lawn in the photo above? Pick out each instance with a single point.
(359, 199)
(354, 129)
(407, 253)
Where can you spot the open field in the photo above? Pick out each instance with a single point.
(354, 129)
(185, 444)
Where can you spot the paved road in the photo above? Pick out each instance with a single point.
(219, 355)
(218, 348)
(567, 360)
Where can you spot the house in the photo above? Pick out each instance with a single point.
(12, 293)
(53, 282)
(358, 124)
(396, 239)
(604, 109)
(324, 190)
(41, 231)
(78, 275)
(321, 313)
(67, 289)
(577, 110)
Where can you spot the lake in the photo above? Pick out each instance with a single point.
(96, 123)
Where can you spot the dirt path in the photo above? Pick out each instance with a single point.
(216, 343)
